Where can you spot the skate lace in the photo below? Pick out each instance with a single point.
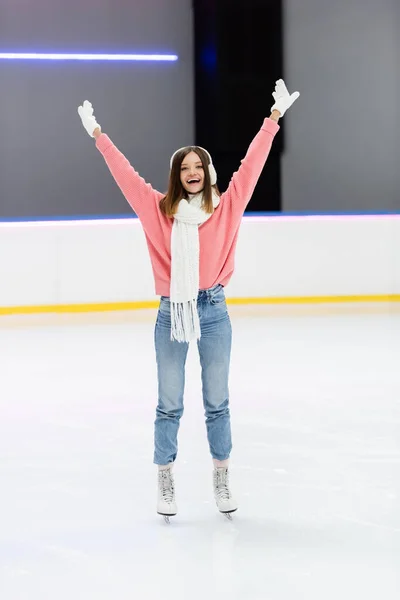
(222, 484)
(166, 483)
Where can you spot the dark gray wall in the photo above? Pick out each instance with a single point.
(48, 164)
(341, 137)
(343, 133)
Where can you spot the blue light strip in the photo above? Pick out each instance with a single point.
(116, 57)
(248, 216)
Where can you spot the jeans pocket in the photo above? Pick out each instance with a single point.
(165, 306)
(218, 296)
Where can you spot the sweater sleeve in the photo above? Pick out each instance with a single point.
(139, 194)
(244, 180)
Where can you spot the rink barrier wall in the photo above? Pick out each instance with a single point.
(121, 306)
(102, 264)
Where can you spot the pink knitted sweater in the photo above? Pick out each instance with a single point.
(218, 236)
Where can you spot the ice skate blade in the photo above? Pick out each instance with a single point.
(228, 515)
(167, 517)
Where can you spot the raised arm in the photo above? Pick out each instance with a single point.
(245, 179)
(140, 195)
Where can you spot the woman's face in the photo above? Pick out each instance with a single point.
(192, 173)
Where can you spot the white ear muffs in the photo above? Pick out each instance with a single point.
(211, 168)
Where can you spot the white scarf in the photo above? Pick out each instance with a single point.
(185, 265)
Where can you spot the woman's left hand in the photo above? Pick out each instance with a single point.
(283, 100)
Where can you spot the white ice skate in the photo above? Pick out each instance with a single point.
(166, 505)
(225, 502)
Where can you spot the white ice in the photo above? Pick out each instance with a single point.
(315, 400)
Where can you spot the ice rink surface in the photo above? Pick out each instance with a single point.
(315, 404)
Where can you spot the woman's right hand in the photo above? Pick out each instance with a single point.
(88, 119)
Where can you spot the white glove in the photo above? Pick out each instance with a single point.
(88, 119)
(283, 100)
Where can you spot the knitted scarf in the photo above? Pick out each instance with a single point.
(185, 259)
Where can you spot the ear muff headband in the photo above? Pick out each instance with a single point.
(211, 168)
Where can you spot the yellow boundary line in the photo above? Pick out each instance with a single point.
(120, 306)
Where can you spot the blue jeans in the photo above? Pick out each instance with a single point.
(214, 349)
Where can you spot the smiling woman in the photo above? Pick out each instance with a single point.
(192, 234)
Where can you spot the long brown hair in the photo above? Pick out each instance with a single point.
(176, 191)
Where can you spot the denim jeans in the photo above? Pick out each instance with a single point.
(214, 349)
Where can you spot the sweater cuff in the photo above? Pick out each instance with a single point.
(103, 142)
(269, 125)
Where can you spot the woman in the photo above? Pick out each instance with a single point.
(191, 233)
